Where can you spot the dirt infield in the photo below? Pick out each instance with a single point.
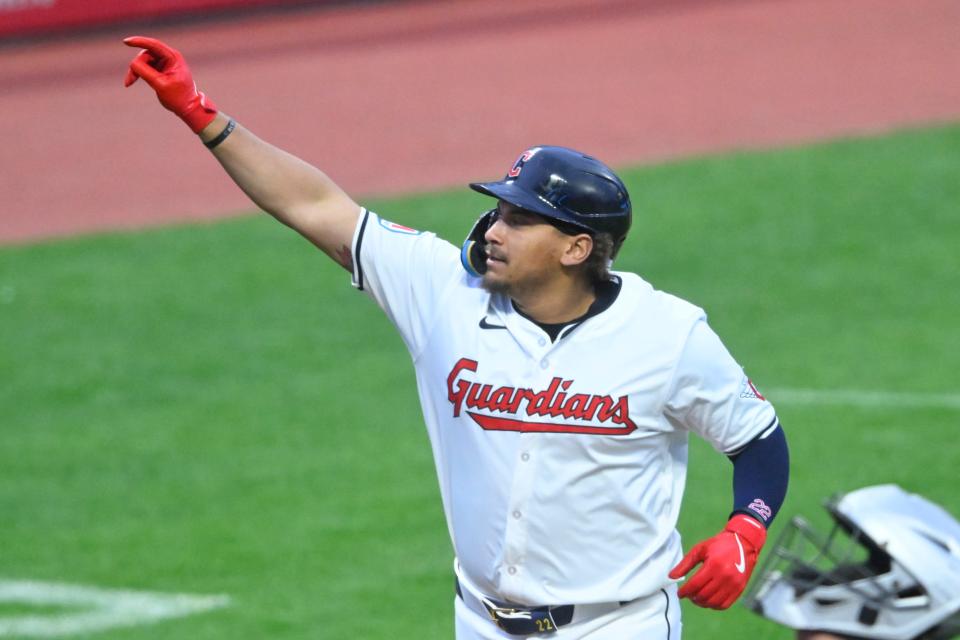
(418, 95)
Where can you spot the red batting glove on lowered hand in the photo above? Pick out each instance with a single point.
(164, 69)
(728, 559)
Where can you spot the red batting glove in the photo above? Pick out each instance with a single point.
(164, 69)
(728, 559)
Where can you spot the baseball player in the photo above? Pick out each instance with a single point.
(558, 396)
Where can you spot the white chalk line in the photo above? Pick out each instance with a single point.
(99, 609)
(866, 399)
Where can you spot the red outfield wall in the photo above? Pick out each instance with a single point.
(24, 17)
(394, 97)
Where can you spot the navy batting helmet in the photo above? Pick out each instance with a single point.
(560, 184)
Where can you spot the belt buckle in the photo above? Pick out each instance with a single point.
(520, 621)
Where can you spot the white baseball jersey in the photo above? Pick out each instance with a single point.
(561, 464)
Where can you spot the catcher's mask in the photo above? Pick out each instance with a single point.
(570, 189)
(889, 569)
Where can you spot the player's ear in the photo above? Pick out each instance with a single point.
(577, 250)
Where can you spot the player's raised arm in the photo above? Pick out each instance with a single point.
(291, 190)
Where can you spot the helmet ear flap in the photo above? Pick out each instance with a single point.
(473, 256)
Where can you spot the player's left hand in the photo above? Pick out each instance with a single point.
(728, 559)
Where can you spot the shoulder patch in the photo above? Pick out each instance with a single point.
(748, 390)
(398, 228)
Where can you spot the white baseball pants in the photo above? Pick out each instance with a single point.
(656, 617)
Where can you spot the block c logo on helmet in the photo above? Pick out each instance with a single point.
(518, 165)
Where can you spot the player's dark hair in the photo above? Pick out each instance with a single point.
(597, 265)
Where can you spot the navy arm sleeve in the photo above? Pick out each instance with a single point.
(761, 470)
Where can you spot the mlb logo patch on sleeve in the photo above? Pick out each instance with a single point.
(747, 390)
(398, 228)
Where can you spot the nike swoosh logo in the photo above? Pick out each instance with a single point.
(742, 565)
(486, 325)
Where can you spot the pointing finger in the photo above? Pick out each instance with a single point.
(159, 49)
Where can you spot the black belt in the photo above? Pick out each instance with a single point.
(526, 621)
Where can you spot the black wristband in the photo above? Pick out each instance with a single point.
(223, 134)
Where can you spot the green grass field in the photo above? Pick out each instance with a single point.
(213, 409)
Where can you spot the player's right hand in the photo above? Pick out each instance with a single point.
(163, 68)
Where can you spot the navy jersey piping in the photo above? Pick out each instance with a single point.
(357, 262)
(607, 294)
(666, 612)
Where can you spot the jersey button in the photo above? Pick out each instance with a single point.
(512, 571)
(544, 363)
(542, 341)
(524, 456)
(517, 515)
